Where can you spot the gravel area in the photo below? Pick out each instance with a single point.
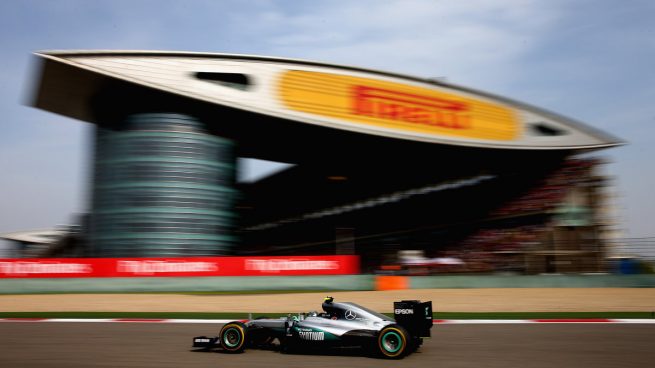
(445, 300)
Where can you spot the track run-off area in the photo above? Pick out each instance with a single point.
(146, 343)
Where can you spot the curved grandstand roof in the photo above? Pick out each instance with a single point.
(342, 99)
(40, 236)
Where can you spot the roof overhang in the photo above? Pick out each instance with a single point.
(341, 99)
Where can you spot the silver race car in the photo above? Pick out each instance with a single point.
(339, 325)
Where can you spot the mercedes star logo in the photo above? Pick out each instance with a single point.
(350, 315)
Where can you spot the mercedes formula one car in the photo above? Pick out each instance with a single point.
(340, 325)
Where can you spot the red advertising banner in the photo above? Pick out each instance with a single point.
(191, 266)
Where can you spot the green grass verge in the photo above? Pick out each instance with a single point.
(439, 315)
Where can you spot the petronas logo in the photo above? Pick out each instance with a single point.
(311, 335)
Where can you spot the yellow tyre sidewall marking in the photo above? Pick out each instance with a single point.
(243, 335)
(402, 337)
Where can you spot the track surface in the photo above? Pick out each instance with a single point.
(27, 344)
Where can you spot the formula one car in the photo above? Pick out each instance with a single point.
(340, 325)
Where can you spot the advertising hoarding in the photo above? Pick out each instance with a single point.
(178, 267)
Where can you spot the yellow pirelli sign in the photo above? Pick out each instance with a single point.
(396, 106)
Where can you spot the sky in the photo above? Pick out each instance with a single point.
(591, 60)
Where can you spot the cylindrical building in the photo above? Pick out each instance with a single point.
(163, 186)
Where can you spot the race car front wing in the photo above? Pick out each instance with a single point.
(205, 342)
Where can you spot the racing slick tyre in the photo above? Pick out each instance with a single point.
(393, 342)
(233, 337)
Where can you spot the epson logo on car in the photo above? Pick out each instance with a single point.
(403, 311)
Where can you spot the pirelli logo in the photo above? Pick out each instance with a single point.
(397, 107)
(411, 108)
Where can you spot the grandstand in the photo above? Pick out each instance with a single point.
(380, 163)
(528, 218)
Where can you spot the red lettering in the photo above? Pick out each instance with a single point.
(411, 108)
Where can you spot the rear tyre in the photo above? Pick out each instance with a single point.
(233, 337)
(393, 342)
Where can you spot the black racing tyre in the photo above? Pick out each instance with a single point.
(393, 342)
(233, 337)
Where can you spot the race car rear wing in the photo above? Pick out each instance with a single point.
(414, 316)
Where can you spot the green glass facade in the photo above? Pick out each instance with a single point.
(163, 186)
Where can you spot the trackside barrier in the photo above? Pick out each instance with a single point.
(186, 284)
(178, 267)
(391, 282)
(307, 283)
(61, 275)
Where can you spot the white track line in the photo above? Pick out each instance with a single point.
(483, 321)
(634, 320)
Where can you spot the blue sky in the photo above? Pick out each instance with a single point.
(589, 60)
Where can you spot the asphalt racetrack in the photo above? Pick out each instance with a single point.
(35, 344)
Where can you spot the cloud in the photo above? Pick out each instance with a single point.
(428, 38)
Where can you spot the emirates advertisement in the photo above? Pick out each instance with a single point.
(176, 267)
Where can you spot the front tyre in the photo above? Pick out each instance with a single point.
(393, 342)
(233, 337)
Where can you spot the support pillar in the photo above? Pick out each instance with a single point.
(162, 187)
